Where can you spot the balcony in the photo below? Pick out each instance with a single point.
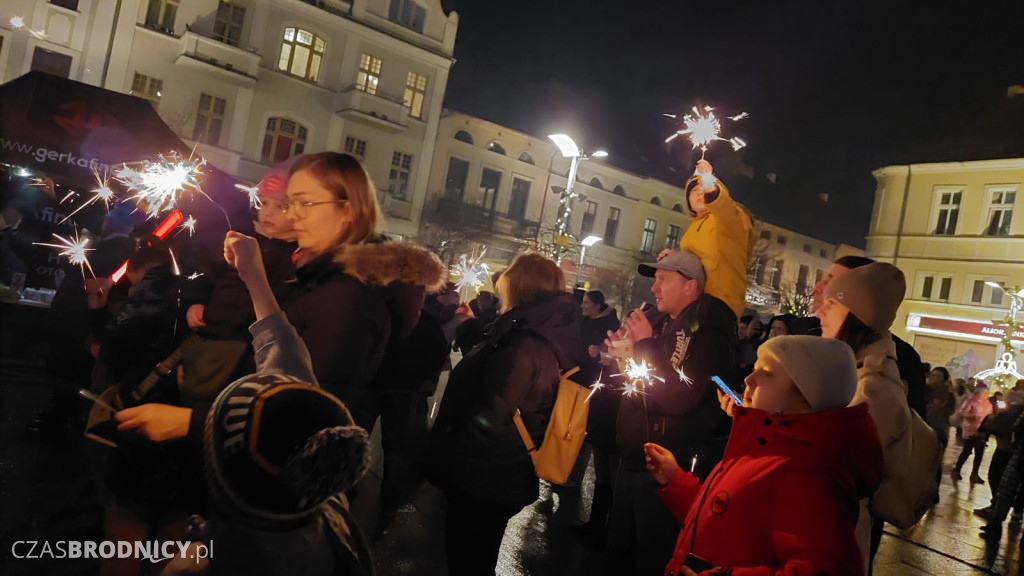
(453, 213)
(378, 110)
(235, 65)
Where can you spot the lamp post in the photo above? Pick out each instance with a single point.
(584, 244)
(567, 146)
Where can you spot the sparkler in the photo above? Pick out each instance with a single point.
(194, 275)
(254, 194)
(595, 386)
(190, 225)
(158, 186)
(703, 130)
(101, 192)
(471, 275)
(75, 251)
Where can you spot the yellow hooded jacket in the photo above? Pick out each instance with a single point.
(721, 239)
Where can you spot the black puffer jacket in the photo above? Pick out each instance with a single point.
(477, 450)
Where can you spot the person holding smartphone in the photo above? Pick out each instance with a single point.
(784, 498)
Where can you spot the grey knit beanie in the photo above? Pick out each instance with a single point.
(823, 369)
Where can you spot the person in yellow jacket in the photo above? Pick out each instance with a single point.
(719, 235)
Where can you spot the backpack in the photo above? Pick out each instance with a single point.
(555, 458)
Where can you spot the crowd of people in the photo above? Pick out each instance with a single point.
(245, 397)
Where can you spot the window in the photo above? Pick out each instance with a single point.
(596, 183)
(1000, 212)
(824, 253)
(495, 147)
(455, 182)
(588, 219)
(801, 279)
(355, 147)
(611, 226)
(944, 287)
(69, 4)
(301, 54)
(209, 119)
(160, 15)
(401, 168)
(147, 88)
(369, 74)
(777, 275)
(928, 291)
(619, 190)
(228, 27)
(655, 200)
(677, 208)
(978, 291)
(997, 295)
(463, 136)
(807, 248)
(782, 240)
(519, 200)
(766, 235)
(408, 14)
(947, 212)
(818, 275)
(51, 62)
(647, 238)
(759, 268)
(415, 92)
(672, 240)
(284, 138)
(525, 157)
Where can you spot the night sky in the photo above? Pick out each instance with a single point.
(833, 89)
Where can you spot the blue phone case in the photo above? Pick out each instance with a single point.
(725, 388)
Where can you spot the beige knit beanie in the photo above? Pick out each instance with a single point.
(873, 293)
(823, 369)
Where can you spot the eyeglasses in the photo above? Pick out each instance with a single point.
(301, 209)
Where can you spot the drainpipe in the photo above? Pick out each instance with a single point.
(110, 45)
(903, 216)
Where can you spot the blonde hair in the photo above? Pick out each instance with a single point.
(347, 180)
(530, 278)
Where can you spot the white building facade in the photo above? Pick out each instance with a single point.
(254, 82)
(954, 230)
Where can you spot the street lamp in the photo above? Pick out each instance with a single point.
(586, 243)
(569, 149)
(1006, 368)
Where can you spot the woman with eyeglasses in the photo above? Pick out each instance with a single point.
(355, 290)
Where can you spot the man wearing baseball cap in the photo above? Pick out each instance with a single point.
(687, 339)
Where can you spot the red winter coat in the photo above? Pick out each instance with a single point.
(784, 499)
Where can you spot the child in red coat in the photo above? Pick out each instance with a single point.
(784, 499)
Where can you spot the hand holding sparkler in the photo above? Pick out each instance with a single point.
(96, 291)
(157, 422)
(660, 463)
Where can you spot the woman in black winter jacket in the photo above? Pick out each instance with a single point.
(481, 462)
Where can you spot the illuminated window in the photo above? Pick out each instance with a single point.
(302, 52)
(369, 74)
(415, 92)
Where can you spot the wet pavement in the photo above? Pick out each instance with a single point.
(48, 492)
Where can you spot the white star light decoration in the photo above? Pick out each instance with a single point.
(703, 130)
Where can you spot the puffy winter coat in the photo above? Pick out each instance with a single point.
(784, 498)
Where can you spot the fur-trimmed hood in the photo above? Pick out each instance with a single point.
(383, 263)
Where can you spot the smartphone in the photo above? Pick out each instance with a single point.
(697, 564)
(728, 391)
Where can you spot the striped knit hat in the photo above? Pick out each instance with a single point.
(275, 448)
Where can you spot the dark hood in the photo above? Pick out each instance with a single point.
(557, 321)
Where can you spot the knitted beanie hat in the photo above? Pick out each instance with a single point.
(695, 181)
(823, 369)
(275, 183)
(873, 293)
(276, 448)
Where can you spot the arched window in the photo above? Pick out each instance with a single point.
(495, 147)
(525, 157)
(677, 208)
(301, 54)
(463, 136)
(596, 183)
(619, 190)
(284, 138)
(655, 200)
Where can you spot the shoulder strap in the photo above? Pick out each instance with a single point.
(518, 417)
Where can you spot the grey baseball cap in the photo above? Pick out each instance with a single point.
(682, 261)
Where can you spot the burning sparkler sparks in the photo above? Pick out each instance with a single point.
(254, 194)
(18, 23)
(190, 225)
(74, 249)
(595, 386)
(158, 186)
(703, 130)
(639, 375)
(471, 275)
(194, 275)
(101, 192)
